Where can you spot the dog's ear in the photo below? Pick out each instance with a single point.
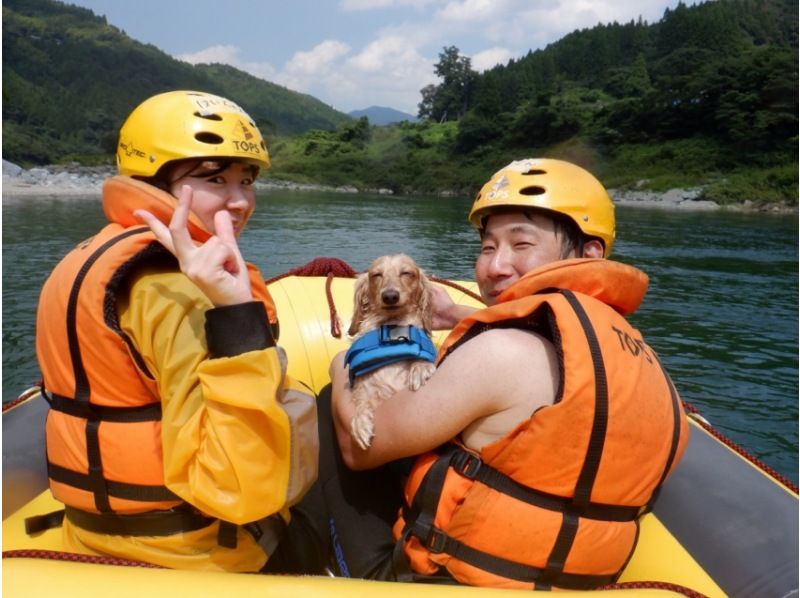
(426, 301)
(359, 302)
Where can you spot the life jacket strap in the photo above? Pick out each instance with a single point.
(385, 345)
(89, 411)
(41, 523)
(152, 523)
(267, 532)
(420, 517)
(439, 542)
(472, 467)
(127, 491)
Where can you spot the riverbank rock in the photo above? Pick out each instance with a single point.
(684, 199)
(75, 181)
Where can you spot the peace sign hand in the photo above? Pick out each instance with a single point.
(216, 266)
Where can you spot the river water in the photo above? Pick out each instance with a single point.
(722, 308)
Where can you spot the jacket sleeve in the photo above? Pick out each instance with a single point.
(226, 439)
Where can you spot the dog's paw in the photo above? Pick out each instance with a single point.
(418, 374)
(362, 429)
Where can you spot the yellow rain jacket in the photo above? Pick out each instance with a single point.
(211, 434)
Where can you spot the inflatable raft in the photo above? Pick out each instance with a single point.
(724, 525)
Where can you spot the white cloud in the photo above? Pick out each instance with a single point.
(387, 72)
(221, 54)
(486, 59)
(475, 11)
(398, 60)
(229, 55)
(317, 60)
(356, 5)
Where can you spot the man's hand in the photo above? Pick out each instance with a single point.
(216, 266)
(447, 313)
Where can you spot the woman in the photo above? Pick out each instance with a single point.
(174, 435)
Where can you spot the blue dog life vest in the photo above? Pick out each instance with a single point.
(386, 345)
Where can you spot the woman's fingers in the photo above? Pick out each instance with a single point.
(179, 232)
(216, 266)
(176, 237)
(161, 232)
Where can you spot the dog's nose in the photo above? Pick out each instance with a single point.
(390, 296)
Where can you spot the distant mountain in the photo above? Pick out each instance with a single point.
(380, 115)
(70, 79)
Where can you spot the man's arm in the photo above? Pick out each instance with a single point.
(497, 371)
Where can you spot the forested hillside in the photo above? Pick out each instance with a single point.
(725, 70)
(70, 78)
(707, 96)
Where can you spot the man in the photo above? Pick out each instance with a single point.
(549, 424)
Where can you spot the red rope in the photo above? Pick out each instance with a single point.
(336, 329)
(320, 266)
(57, 555)
(457, 286)
(736, 448)
(657, 585)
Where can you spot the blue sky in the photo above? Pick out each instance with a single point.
(352, 54)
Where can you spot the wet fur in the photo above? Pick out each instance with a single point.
(394, 290)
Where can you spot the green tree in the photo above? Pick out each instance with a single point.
(450, 99)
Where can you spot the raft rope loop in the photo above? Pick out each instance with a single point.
(329, 267)
(73, 557)
(653, 585)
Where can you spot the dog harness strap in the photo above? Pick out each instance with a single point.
(385, 345)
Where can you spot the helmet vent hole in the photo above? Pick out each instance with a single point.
(534, 171)
(534, 190)
(210, 138)
(208, 116)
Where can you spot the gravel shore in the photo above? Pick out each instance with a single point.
(74, 182)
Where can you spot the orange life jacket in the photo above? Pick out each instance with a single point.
(556, 502)
(103, 430)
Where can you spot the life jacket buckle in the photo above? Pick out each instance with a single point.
(435, 542)
(467, 464)
(395, 333)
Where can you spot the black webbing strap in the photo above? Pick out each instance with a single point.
(79, 372)
(151, 412)
(227, 534)
(125, 490)
(97, 483)
(591, 463)
(152, 523)
(41, 523)
(420, 524)
(82, 388)
(471, 466)
(420, 517)
(439, 542)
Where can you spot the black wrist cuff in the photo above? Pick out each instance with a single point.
(236, 329)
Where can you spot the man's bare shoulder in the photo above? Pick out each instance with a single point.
(510, 373)
(502, 343)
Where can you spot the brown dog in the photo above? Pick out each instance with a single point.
(393, 291)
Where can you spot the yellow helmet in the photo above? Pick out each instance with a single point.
(187, 124)
(552, 185)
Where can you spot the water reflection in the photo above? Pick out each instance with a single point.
(721, 309)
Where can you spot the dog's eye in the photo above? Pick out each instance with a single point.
(375, 275)
(407, 273)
